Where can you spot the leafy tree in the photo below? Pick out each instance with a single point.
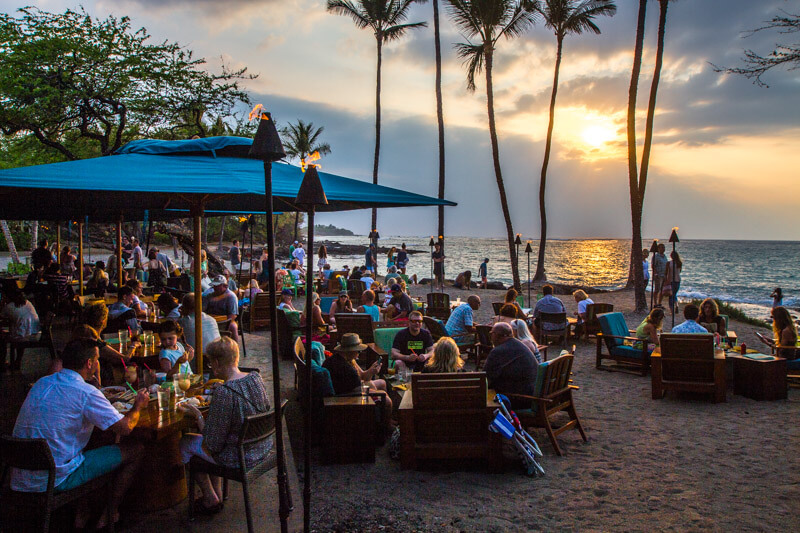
(385, 18)
(83, 86)
(564, 17)
(757, 65)
(300, 140)
(488, 21)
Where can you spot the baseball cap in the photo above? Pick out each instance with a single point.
(287, 292)
(396, 288)
(218, 280)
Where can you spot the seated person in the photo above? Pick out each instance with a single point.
(446, 358)
(709, 317)
(510, 367)
(342, 304)
(34, 279)
(583, 301)
(240, 396)
(412, 346)
(252, 289)
(168, 306)
(297, 272)
(53, 277)
(64, 410)
(690, 325)
(391, 274)
(23, 321)
(510, 298)
(463, 280)
(319, 326)
(460, 325)
(508, 314)
(210, 326)
(366, 277)
(286, 300)
(326, 271)
(548, 304)
(98, 283)
(347, 376)
(523, 335)
(650, 327)
(368, 306)
(173, 357)
(95, 319)
(400, 305)
(785, 332)
(121, 311)
(356, 273)
(138, 305)
(223, 302)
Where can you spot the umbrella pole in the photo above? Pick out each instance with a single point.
(149, 233)
(58, 237)
(80, 258)
(284, 505)
(119, 253)
(307, 400)
(198, 290)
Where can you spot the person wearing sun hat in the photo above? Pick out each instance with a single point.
(347, 376)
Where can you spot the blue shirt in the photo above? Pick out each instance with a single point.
(173, 354)
(373, 311)
(118, 308)
(549, 304)
(460, 318)
(690, 326)
(660, 264)
(226, 304)
(482, 270)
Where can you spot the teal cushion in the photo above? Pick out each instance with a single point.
(613, 324)
(321, 384)
(627, 351)
(540, 378)
(317, 353)
(384, 338)
(793, 364)
(325, 304)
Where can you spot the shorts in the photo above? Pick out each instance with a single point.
(658, 283)
(96, 463)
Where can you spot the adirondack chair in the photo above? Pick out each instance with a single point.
(325, 304)
(288, 330)
(559, 319)
(687, 362)
(552, 395)
(384, 338)
(355, 288)
(447, 419)
(360, 323)
(792, 354)
(614, 334)
(259, 311)
(591, 326)
(438, 305)
(437, 331)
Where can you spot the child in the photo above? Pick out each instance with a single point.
(173, 357)
(482, 270)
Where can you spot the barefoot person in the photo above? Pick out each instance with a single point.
(64, 410)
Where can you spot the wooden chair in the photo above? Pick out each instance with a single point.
(687, 363)
(438, 305)
(448, 419)
(355, 288)
(561, 333)
(614, 334)
(31, 511)
(360, 323)
(256, 428)
(437, 331)
(287, 332)
(553, 394)
(259, 311)
(792, 354)
(484, 345)
(591, 326)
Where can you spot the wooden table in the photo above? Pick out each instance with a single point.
(759, 379)
(731, 337)
(349, 430)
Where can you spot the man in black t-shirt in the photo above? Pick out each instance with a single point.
(400, 306)
(41, 256)
(234, 254)
(412, 346)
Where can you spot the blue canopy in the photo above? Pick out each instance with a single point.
(168, 178)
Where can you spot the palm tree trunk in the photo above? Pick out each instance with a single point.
(540, 275)
(439, 110)
(651, 105)
(221, 234)
(497, 171)
(34, 234)
(633, 182)
(296, 223)
(9, 241)
(377, 127)
(205, 231)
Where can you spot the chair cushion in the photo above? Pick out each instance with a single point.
(613, 324)
(537, 389)
(325, 304)
(384, 338)
(626, 351)
(317, 353)
(793, 364)
(321, 384)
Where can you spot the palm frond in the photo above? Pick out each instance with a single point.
(356, 12)
(564, 17)
(465, 17)
(518, 22)
(395, 32)
(472, 54)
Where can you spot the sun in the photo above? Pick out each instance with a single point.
(596, 136)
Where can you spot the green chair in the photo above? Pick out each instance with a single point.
(384, 338)
(288, 283)
(616, 336)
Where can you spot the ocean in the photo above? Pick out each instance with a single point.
(743, 273)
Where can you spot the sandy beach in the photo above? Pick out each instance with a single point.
(679, 464)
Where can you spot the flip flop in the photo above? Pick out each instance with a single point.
(201, 509)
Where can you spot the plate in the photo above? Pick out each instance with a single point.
(113, 390)
(122, 407)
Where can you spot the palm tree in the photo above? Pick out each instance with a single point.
(439, 111)
(638, 185)
(301, 140)
(385, 18)
(564, 17)
(633, 181)
(488, 21)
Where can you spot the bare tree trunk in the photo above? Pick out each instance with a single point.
(498, 172)
(439, 110)
(221, 234)
(34, 234)
(296, 223)
(10, 241)
(205, 231)
(377, 127)
(540, 275)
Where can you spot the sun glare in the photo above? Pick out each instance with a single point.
(596, 136)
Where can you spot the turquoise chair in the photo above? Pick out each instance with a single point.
(616, 337)
(384, 338)
(325, 304)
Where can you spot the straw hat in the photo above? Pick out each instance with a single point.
(350, 342)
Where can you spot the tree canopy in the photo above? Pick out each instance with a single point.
(83, 86)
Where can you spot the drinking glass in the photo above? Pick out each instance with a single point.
(184, 382)
(176, 380)
(364, 392)
(164, 394)
(123, 338)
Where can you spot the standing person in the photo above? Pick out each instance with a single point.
(235, 254)
(777, 297)
(483, 272)
(322, 258)
(412, 346)
(292, 248)
(67, 261)
(438, 264)
(391, 258)
(402, 258)
(137, 254)
(41, 256)
(300, 254)
(370, 259)
(660, 269)
(672, 281)
(646, 266)
(127, 250)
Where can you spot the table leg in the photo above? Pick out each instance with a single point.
(161, 481)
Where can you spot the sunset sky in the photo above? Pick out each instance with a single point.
(725, 163)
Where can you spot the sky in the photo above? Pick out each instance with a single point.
(726, 153)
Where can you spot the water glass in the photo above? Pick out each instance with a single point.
(364, 392)
(165, 398)
(123, 338)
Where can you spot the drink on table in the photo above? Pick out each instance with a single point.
(166, 397)
(184, 382)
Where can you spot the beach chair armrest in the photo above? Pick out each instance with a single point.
(526, 397)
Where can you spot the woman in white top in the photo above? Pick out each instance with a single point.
(523, 334)
(322, 260)
(583, 301)
(24, 322)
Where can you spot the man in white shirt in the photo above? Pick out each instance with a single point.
(63, 409)
(300, 254)
(366, 277)
(138, 254)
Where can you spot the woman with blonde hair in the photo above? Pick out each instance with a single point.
(709, 317)
(649, 328)
(523, 334)
(785, 332)
(583, 301)
(446, 358)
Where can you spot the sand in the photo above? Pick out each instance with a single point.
(681, 464)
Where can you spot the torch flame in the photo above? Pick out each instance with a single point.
(675, 228)
(308, 161)
(258, 112)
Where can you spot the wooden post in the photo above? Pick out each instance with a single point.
(80, 257)
(58, 237)
(119, 252)
(198, 291)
